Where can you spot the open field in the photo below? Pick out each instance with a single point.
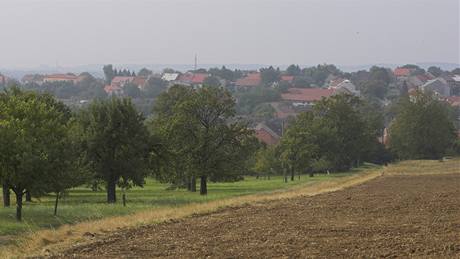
(46, 240)
(399, 214)
(82, 204)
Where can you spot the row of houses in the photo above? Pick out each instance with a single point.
(445, 85)
(189, 79)
(40, 79)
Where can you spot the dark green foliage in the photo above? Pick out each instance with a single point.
(294, 70)
(193, 126)
(88, 88)
(117, 143)
(422, 129)
(248, 100)
(319, 74)
(339, 133)
(264, 111)
(225, 73)
(211, 81)
(109, 73)
(132, 90)
(36, 153)
(144, 72)
(154, 87)
(269, 75)
(375, 83)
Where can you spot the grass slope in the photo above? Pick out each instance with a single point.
(82, 204)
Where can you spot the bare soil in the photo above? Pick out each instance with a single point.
(391, 216)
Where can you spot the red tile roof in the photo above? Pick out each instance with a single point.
(192, 78)
(453, 100)
(287, 78)
(111, 88)
(61, 77)
(252, 79)
(199, 78)
(122, 79)
(140, 81)
(402, 71)
(306, 94)
(266, 135)
(186, 78)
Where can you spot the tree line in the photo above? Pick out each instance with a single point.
(194, 135)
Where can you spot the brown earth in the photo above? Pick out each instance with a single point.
(391, 216)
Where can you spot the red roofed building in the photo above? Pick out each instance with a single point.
(140, 81)
(250, 80)
(113, 90)
(286, 78)
(60, 78)
(306, 96)
(453, 100)
(266, 135)
(402, 72)
(120, 81)
(199, 78)
(192, 78)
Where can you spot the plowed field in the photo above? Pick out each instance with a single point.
(390, 216)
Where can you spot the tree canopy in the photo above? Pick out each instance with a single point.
(422, 129)
(117, 143)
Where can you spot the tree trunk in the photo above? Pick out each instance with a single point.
(203, 186)
(124, 199)
(56, 204)
(111, 192)
(6, 195)
(193, 184)
(28, 197)
(19, 195)
(292, 174)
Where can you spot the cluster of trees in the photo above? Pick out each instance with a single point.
(423, 128)
(374, 84)
(225, 73)
(339, 133)
(343, 131)
(110, 72)
(46, 148)
(253, 97)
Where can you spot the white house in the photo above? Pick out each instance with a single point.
(438, 86)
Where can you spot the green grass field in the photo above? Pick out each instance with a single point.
(82, 204)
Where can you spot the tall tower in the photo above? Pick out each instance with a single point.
(196, 62)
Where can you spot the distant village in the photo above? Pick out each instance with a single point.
(267, 98)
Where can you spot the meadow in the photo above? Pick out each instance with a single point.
(83, 204)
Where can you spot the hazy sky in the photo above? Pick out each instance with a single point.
(346, 32)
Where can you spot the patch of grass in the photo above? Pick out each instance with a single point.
(448, 166)
(82, 204)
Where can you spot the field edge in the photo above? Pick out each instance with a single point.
(46, 242)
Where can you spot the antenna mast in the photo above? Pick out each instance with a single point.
(195, 67)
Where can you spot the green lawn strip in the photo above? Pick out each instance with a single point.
(82, 204)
